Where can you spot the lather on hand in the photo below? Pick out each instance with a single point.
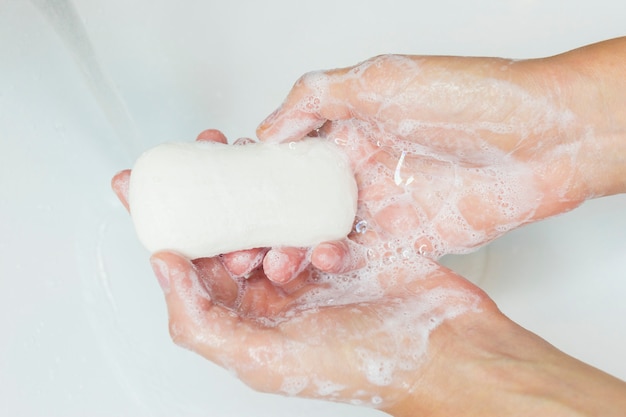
(488, 144)
(449, 153)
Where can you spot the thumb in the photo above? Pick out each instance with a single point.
(188, 301)
(212, 331)
(315, 98)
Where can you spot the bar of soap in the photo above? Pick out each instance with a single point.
(202, 199)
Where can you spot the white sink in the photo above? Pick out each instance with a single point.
(82, 321)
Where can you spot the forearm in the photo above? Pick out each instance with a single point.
(541, 380)
(502, 370)
(592, 83)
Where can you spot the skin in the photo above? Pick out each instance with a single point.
(483, 143)
(530, 121)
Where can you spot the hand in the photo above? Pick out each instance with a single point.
(402, 334)
(359, 337)
(456, 151)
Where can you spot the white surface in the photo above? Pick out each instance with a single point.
(204, 199)
(82, 323)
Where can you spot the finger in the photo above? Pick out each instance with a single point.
(195, 322)
(315, 98)
(187, 301)
(215, 278)
(250, 297)
(212, 135)
(119, 184)
(329, 257)
(242, 263)
(339, 257)
(282, 265)
(243, 141)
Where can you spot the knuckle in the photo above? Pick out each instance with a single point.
(312, 78)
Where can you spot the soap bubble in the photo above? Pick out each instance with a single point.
(360, 227)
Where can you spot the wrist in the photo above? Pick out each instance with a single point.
(593, 86)
(493, 367)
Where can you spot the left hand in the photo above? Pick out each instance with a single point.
(357, 337)
(361, 339)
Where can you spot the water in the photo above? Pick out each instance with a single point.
(65, 20)
(360, 226)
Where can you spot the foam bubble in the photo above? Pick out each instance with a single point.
(378, 369)
(326, 388)
(294, 385)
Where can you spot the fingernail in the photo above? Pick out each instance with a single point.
(328, 258)
(253, 264)
(278, 267)
(162, 273)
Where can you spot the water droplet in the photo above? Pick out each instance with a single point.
(396, 176)
(376, 400)
(361, 226)
(341, 141)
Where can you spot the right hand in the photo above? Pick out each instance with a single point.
(449, 152)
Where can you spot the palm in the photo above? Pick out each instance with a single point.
(353, 337)
(431, 204)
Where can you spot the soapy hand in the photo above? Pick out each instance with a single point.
(449, 152)
(400, 333)
(474, 142)
(361, 338)
(354, 339)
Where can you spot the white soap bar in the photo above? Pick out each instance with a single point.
(202, 199)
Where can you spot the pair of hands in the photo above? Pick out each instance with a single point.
(449, 154)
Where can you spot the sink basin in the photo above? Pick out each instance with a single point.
(86, 86)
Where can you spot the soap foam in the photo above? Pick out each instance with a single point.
(292, 386)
